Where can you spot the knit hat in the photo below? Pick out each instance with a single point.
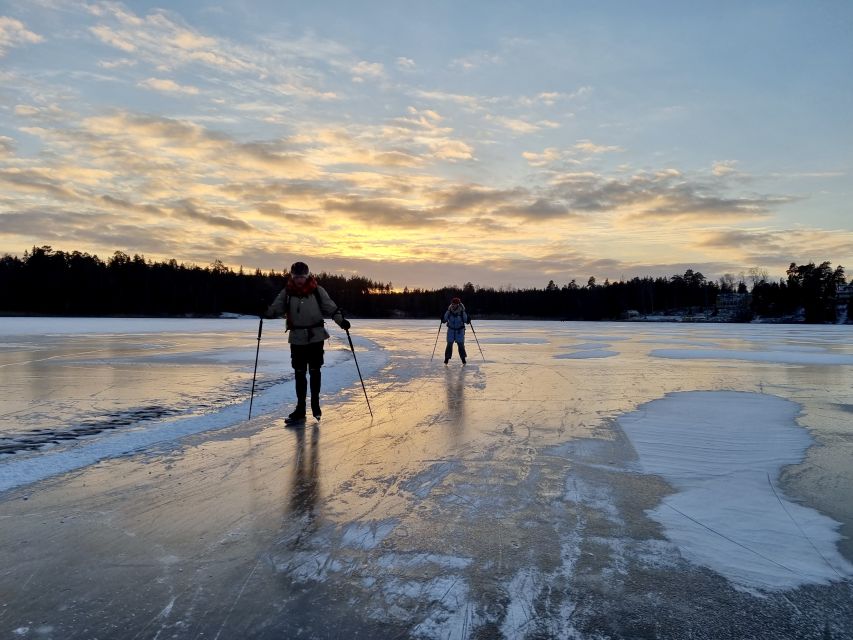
(299, 269)
(456, 301)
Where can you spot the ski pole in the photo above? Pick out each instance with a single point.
(471, 324)
(257, 351)
(357, 368)
(436, 340)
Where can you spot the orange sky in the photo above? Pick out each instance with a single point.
(510, 151)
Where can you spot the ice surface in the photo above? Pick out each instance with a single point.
(498, 499)
(724, 451)
(76, 405)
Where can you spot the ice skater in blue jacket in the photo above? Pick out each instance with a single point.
(456, 318)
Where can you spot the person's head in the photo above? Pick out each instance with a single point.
(299, 271)
(455, 303)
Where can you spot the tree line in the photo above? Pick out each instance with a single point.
(50, 282)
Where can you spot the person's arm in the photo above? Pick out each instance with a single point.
(276, 309)
(444, 317)
(329, 308)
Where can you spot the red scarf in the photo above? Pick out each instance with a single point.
(305, 290)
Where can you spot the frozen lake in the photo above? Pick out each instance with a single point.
(582, 480)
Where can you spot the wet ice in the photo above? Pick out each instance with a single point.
(529, 496)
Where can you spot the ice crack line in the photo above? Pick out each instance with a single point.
(788, 513)
(722, 535)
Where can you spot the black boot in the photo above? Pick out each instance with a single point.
(301, 392)
(315, 393)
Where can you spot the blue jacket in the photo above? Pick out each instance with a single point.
(456, 320)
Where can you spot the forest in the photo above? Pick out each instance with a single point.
(51, 282)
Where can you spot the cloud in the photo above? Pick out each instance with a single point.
(406, 64)
(661, 196)
(163, 42)
(13, 33)
(180, 141)
(724, 167)
(551, 98)
(587, 146)
(538, 210)
(554, 156)
(366, 146)
(472, 103)
(735, 238)
(118, 63)
(7, 146)
(774, 247)
(191, 210)
(380, 211)
(168, 86)
(306, 92)
(550, 156)
(367, 70)
(112, 38)
(36, 182)
(516, 125)
(476, 60)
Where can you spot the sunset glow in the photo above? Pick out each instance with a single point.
(501, 144)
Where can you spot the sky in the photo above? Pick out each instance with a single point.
(504, 144)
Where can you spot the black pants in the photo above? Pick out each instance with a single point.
(305, 357)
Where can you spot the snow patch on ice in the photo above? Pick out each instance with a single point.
(587, 346)
(367, 535)
(522, 590)
(595, 338)
(449, 610)
(778, 356)
(683, 341)
(409, 560)
(514, 340)
(723, 451)
(582, 355)
(599, 498)
(530, 587)
(423, 483)
(309, 566)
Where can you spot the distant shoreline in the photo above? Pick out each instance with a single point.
(664, 319)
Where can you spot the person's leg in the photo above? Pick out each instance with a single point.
(448, 350)
(315, 361)
(460, 342)
(299, 361)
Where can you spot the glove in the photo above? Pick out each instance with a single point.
(345, 324)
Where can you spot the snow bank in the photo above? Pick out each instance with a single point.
(723, 451)
(339, 372)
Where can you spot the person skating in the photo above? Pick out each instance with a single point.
(456, 318)
(304, 303)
